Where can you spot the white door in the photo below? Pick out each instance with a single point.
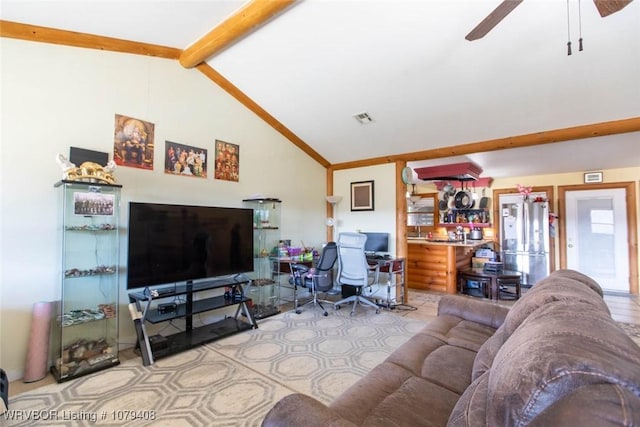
(597, 236)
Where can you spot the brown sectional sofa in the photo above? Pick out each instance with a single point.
(556, 358)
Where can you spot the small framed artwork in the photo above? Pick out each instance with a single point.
(227, 166)
(93, 204)
(591, 177)
(187, 160)
(133, 142)
(362, 196)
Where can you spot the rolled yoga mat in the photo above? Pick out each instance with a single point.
(38, 348)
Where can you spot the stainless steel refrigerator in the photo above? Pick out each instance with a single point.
(524, 237)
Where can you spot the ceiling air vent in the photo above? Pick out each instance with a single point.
(363, 118)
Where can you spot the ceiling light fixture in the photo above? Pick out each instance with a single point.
(363, 118)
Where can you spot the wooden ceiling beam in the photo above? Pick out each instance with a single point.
(245, 19)
(527, 140)
(36, 33)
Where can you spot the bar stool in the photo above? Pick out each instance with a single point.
(496, 285)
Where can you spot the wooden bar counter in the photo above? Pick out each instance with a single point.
(433, 265)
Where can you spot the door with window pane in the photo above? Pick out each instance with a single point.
(596, 242)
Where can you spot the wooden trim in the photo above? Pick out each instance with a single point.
(330, 212)
(241, 97)
(632, 225)
(69, 38)
(245, 19)
(401, 225)
(527, 140)
(36, 33)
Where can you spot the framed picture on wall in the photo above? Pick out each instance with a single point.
(227, 167)
(133, 142)
(362, 196)
(187, 160)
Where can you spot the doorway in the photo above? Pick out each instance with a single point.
(597, 233)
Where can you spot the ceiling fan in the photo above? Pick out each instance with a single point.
(605, 8)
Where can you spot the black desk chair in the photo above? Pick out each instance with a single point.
(318, 279)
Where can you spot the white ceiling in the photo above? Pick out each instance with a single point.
(407, 64)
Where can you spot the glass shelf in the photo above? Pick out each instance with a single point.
(84, 338)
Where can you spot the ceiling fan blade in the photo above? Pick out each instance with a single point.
(494, 18)
(607, 7)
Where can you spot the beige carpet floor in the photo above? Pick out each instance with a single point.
(231, 382)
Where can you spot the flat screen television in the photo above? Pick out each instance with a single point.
(177, 243)
(376, 242)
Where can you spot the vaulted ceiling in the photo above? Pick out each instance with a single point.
(308, 67)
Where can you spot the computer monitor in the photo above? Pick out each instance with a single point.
(376, 242)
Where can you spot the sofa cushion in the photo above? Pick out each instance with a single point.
(575, 275)
(473, 310)
(389, 392)
(471, 408)
(449, 367)
(549, 290)
(561, 285)
(418, 402)
(552, 355)
(469, 335)
(301, 410)
(487, 353)
(361, 399)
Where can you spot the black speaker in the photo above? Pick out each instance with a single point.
(78, 156)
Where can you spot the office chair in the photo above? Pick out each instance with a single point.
(354, 270)
(318, 279)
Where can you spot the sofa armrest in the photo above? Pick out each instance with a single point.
(301, 410)
(483, 312)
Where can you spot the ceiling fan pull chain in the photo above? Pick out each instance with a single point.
(568, 30)
(579, 26)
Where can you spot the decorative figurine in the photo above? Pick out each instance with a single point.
(87, 171)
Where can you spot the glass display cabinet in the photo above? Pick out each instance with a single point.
(264, 289)
(84, 333)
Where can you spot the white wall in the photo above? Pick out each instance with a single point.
(383, 217)
(54, 97)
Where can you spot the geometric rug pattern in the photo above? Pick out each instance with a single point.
(231, 382)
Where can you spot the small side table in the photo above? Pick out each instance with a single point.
(491, 282)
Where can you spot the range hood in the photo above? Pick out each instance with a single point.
(467, 171)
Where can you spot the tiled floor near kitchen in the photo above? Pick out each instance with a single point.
(624, 308)
(422, 305)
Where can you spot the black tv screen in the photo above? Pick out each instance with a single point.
(376, 242)
(176, 243)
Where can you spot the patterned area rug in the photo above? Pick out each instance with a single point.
(231, 382)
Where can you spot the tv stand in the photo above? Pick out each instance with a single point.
(147, 306)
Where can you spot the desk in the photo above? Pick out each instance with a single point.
(283, 269)
(395, 268)
(285, 264)
(491, 281)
